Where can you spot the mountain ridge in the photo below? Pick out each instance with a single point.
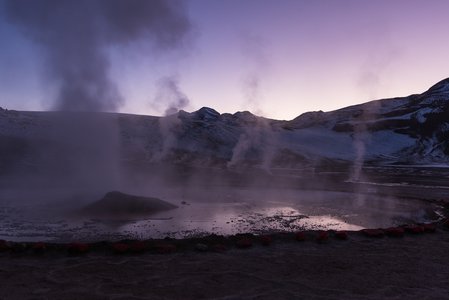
(402, 130)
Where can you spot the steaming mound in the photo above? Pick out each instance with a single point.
(117, 204)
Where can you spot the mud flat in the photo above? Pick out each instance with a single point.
(212, 210)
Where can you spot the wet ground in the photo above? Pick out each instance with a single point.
(410, 266)
(223, 211)
(290, 200)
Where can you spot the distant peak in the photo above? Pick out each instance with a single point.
(206, 113)
(245, 116)
(243, 113)
(208, 110)
(441, 86)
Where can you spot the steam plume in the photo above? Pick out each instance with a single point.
(75, 36)
(369, 82)
(259, 133)
(169, 92)
(254, 49)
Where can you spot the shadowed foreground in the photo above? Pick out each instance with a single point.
(413, 267)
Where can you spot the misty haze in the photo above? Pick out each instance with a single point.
(121, 156)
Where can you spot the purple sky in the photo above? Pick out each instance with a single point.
(276, 58)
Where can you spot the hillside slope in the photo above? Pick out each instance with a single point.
(413, 129)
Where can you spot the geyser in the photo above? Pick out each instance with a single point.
(119, 205)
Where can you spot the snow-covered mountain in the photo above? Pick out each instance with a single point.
(413, 129)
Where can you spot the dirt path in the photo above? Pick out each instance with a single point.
(413, 267)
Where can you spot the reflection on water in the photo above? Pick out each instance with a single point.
(231, 219)
(220, 211)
